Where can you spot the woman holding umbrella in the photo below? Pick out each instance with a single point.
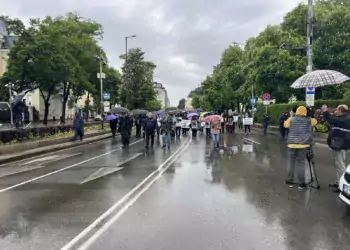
(113, 122)
(215, 121)
(194, 123)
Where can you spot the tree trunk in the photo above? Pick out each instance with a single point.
(46, 104)
(46, 111)
(66, 91)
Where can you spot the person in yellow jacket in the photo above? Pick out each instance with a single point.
(300, 138)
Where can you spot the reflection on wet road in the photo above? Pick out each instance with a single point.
(188, 198)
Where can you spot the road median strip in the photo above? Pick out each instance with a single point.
(31, 149)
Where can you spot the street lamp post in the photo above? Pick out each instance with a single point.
(126, 46)
(126, 52)
(101, 76)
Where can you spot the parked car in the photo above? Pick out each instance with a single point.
(98, 118)
(344, 186)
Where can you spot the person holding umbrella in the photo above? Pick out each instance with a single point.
(215, 122)
(194, 123)
(113, 122)
(194, 126)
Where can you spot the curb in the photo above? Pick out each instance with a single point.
(52, 148)
(319, 140)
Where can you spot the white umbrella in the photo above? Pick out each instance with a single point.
(319, 78)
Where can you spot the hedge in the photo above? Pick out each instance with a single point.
(275, 110)
(25, 134)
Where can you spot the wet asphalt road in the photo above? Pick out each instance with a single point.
(203, 200)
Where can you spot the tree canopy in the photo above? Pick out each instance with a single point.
(263, 65)
(58, 55)
(138, 86)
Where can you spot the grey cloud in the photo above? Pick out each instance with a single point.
(184, 38)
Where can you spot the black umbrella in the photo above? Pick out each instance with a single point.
(139, 112)
(119, 110)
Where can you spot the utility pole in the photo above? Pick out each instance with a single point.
(309, 93)
(310, 23)
(101, 85)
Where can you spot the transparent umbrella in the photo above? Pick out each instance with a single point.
(319, 78)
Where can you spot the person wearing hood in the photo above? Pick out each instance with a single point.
(78, 126)
(300, 139)
(339, 138)
(125, 127)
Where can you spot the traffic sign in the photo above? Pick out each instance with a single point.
(266, 97)
(310, 90)
(266, 102)
(106, 96)
(310, 96)
(103, 75)
(253, 101)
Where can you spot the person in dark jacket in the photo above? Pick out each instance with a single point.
(338, 138)
(265, 123)
(138, 122)
(281, 119)
(78, 126)
(150, 127)
(166, 128)
(125, 126)
(113, 125)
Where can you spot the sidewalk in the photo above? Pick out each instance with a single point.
(28, 149)
(274, 130)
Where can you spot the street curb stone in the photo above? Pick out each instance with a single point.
(274, 130)
(55, 145)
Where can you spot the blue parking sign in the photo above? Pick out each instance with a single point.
(253, 101)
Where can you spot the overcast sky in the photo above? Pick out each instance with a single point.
(185, 38)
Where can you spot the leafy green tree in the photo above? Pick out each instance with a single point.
(154, 105)
(53, 56)
(182, 104)
(196, 101)
(138, 87)
(112, 84)
(13, 26)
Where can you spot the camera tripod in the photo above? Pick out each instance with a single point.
(313, 176)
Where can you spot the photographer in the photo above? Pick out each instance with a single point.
(339, 137)
(300, 138)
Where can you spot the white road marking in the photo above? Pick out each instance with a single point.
(62, 169)
(61, 150)
(250, 140)
(107, 171)
(112, 209)
(50, 159)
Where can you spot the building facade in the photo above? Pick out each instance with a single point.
(162, 95)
